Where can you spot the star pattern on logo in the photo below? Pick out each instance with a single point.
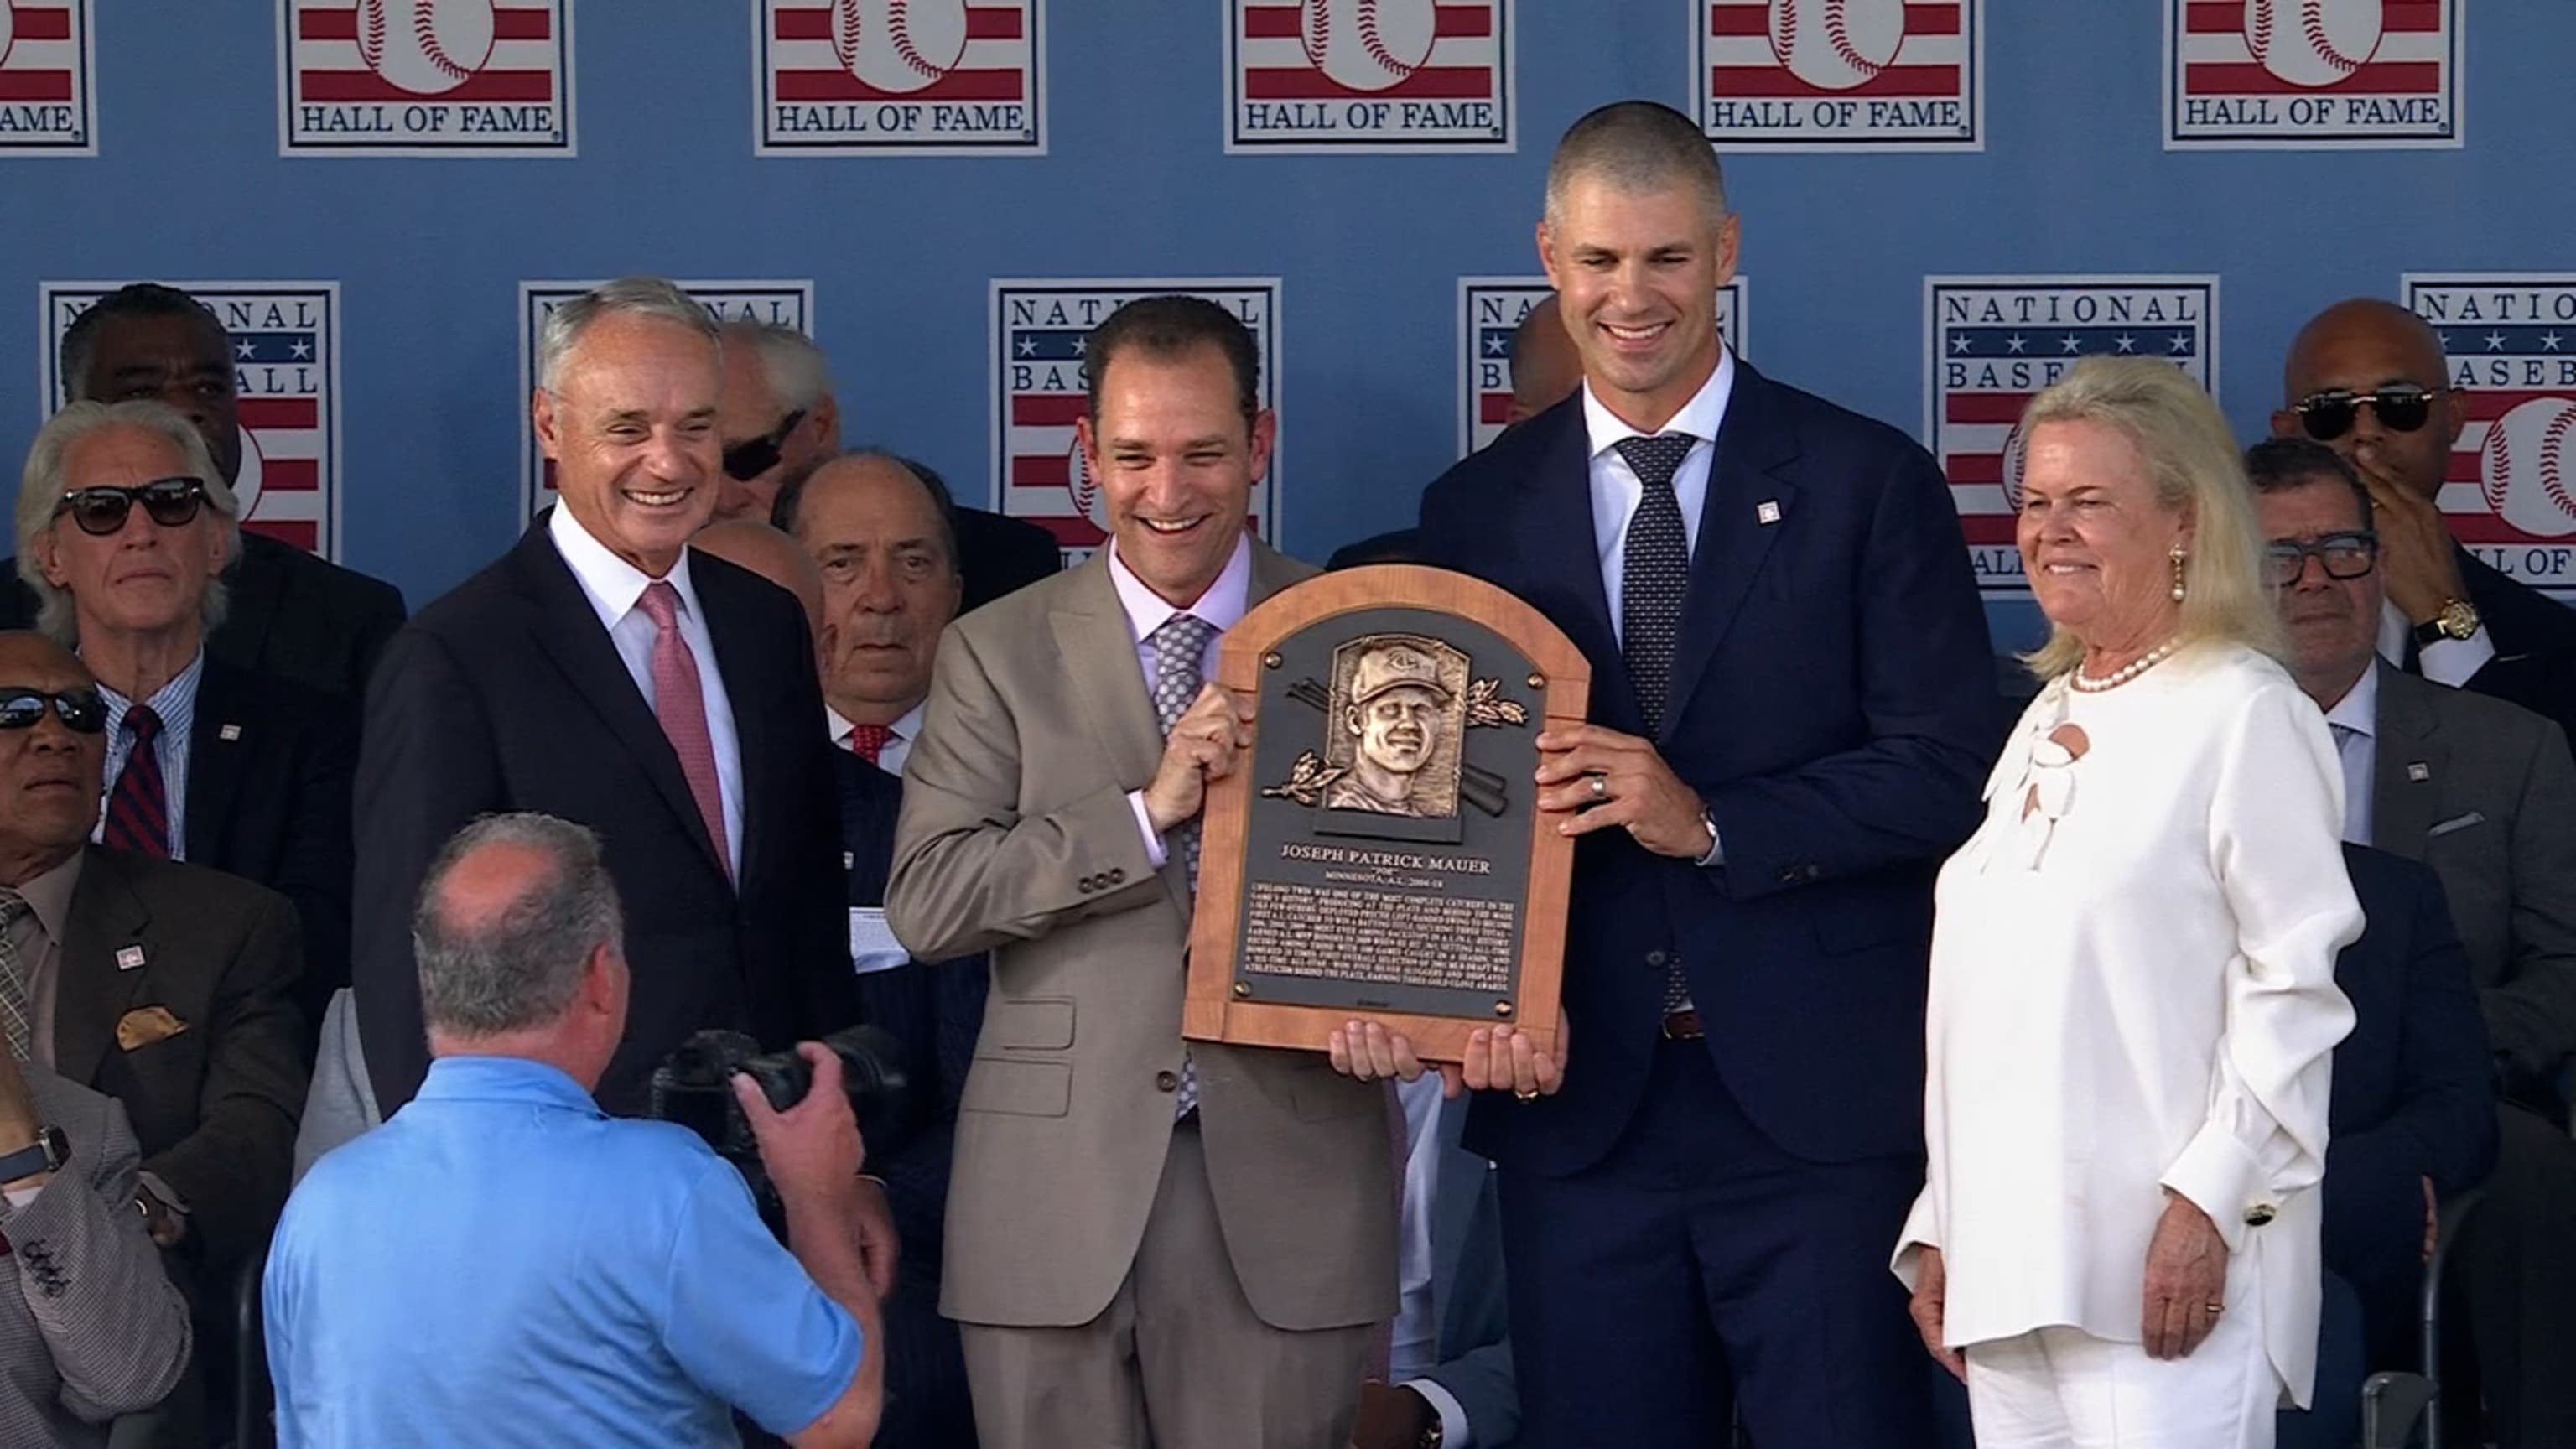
(2125, 342)
(2016, 343)
(2181, 343)
(243, 350)
(2068, 345)
(301, 349)
(2495, 342)
(1028, 347)
(1959, 344)
(2549, 342)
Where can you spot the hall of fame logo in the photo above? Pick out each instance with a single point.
(46, 62)
(424, 77)
(1040, 331)
(773, 300)
(2311, 74)
(1490, 310)
(1992, 343)
(285, 339)
(1369, 75)
(907, 77)
(2509, 346)
(1840, 75)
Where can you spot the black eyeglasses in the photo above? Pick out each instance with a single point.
(80, 710)
(2402, 406)
(170, 502)
(752, 457)
(2341, 555)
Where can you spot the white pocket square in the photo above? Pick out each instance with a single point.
(2456, 822)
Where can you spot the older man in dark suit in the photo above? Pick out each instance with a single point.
(605, 673)
(1791, 710)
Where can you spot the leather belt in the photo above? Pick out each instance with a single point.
(1683, 1025)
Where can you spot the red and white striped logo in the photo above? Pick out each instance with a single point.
(425, 77)
(2297, 74)
(1830, 75)
(2509, 345)
(44, 79)
(1372, 75)
(935, 77)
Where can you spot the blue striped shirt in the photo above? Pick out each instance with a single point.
(176, 703)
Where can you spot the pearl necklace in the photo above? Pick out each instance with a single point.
(2126, 672)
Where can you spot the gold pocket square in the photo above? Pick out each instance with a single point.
(145, 1025)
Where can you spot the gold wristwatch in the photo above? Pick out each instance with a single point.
(2456, 619)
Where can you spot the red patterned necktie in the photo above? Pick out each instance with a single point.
(138, 808)
(870, 740)
(681, 706)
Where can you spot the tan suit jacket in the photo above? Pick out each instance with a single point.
(1016, 838)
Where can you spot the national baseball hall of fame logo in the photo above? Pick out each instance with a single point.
(782, 301)
(1040, 330)
(1490, 310)
(900, 77)
(1369, 75)
(285, 339)
(2311, 74)
(1840, 75)
(2509, 346)
(424, 77)
(45, 69)
(1994, 342)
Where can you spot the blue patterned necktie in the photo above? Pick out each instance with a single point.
(1180, 649)
(1654, 573)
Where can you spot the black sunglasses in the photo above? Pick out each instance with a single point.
(752, 457)
(81, 710)
(170, 502)
(2341, 555)
(2402, 406)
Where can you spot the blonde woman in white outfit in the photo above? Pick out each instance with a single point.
(2133, 999)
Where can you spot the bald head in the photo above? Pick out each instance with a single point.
(2362, 324)
(774, 556)
(517, 928)
(24, 652)
(1546, 368)
(2359, 347)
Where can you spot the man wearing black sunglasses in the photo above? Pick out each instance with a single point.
(776, 415)
(2365, 377)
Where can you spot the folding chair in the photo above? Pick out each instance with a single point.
(2394, 1402)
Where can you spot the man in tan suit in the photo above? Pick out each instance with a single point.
(1149, 1241)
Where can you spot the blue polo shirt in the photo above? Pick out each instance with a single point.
(503, 1264)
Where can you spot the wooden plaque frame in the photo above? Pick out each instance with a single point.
(1212, 1010)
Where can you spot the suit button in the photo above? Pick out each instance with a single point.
(1117, 874)
(1657, 959)
(1167, 1081)
(2259, 1214)
(1815, 872)
(1789, 875)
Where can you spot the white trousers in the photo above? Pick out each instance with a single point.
(2062, 1388)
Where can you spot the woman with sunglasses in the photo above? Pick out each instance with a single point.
(2132, 998)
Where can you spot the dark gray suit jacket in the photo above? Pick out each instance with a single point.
(2484, 792)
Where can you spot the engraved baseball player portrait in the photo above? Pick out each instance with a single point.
(1398, 705)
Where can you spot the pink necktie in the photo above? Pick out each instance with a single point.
(682, 708)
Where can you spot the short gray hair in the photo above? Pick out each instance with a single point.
(626, 297)
(45, 480)
(1637, 146)
(520, 966)
(798, 373)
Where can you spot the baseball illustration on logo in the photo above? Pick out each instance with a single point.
(2312, 42)
(8, 31)
(2525, 467)
(1088, 499)
(427, 47)
(1367, 45)
(899, 46)
(1837, 44)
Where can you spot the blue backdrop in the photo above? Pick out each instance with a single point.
(2074, 176)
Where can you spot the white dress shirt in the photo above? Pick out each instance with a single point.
(615, 588)
(2445, 660)
(1222, 604)
(176, 703)
(898, 746)
(2354, 722)
(1414, 1349)
(2132, 992)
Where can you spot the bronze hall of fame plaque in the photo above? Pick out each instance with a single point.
(1381, 853)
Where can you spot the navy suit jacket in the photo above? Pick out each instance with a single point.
(934, 1008)
(2535, 642)
(1474, 1346)
(1833, 702)
(2414, 1093)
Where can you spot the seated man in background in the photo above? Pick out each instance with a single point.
(90, 1327)
(292, 615)
(124, 528)
(1449, 1354)
(503, 1263)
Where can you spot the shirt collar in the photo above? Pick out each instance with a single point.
(504, 1079)
(2358, 710)
(906, 726)
(49, 895)
(1222, 604)
(612, 584)
(167, 701)
(1699, 417)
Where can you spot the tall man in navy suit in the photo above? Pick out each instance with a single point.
(1792, 707)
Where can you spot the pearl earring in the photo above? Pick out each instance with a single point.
(2178, 556)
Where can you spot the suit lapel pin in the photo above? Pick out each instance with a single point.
(847, 861)
(1768, 510)
(2418, 771)
(229, 733)
(129, 958)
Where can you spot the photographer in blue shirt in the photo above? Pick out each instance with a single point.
(502, 1263)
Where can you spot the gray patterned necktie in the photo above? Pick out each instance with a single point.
(16, 1014)
(1180, 652)
(1653, 576)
